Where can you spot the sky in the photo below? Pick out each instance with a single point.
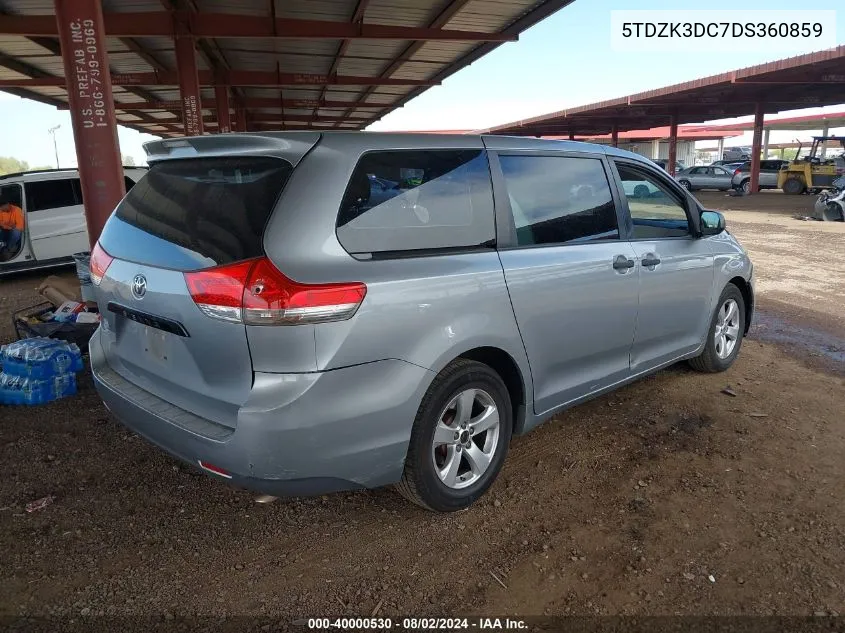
(564, 61)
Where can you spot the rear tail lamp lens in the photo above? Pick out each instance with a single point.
(99, 263)
(255, 292)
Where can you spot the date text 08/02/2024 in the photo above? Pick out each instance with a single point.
(417, 624)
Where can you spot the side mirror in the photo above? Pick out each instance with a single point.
(712, 223)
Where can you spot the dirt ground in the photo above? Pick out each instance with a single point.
(670, 496)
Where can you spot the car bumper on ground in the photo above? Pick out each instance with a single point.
(297, 434)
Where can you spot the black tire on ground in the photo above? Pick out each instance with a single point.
(420, 482)
(745, 186)
(793, 186)
(686, 184)
(708, 361)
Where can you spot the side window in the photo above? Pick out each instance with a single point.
(558, 199)
(77, 187)
(655, 209)
(698, 171)
(410, 200)
(11, 194)
(50, 194)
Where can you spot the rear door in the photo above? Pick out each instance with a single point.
(676, 268)
(572, 280)
(721, 177)
(55, 218)
(186, 216)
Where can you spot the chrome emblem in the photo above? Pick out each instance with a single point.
(139, 286)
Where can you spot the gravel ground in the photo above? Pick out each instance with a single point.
(669, 496)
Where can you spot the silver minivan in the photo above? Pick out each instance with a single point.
(306, 312)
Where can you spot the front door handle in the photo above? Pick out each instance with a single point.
(650, 260)
(622, 263)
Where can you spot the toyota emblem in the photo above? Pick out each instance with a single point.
(139, 286)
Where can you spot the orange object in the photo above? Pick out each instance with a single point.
(11, 217)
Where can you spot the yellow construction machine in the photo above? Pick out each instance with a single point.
(810, 172)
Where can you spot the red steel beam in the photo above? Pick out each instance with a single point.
(188, 79)
(240, 120)
(224, 120)
(231, 78)
(757, 146)
(673, 143)
(79, 24)
(614, 135)
(269, 117)
(221, 25)
(256, 102)
(357, 16)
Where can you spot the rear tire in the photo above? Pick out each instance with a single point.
(724, 336)
(450, 442)
(745, 186)
(793, 186)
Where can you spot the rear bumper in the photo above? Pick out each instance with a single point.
(297, 434)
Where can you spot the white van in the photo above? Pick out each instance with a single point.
(54, 220)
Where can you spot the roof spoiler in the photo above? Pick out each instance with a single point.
(291, 146)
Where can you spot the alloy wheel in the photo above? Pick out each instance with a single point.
(727, 329)
(466, 438)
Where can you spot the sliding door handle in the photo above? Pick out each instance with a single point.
(622, 263)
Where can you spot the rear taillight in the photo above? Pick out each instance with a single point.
(99, 264)
(219, 292)
(736, 171)
(256, 293)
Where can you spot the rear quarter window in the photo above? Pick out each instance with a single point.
(405, 201)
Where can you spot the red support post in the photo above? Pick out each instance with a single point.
(221, 99)
(756, 147)
(83, 42)
(615, 135)
(673, 143)
(189, 84)
(240, 122)
(572, 136)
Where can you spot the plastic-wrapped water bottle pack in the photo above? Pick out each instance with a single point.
(38, 370)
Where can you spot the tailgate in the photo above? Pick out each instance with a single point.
(163, 344)
(194, 214)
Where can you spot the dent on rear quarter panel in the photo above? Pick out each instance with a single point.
(426, 311)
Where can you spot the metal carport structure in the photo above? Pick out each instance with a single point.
(187, 67)
(814, 79)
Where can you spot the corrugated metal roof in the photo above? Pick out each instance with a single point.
(376, 59)
(814, 79)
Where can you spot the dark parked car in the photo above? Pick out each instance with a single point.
(664, 164)
(768, 175)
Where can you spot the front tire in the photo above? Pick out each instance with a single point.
(686, 184)
(793, 186)
(724, 336)
(459, 439)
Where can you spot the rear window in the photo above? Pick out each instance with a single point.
(196, 213)
(399, 202)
